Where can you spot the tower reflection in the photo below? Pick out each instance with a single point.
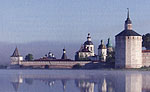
(110, 82)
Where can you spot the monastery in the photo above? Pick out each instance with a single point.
(128, 53)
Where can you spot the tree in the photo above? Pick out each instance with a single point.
(146, 41)
(29, 57)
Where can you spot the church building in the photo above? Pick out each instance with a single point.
(86, 50)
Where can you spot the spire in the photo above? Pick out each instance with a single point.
(128, 13)
(64, 56)
(128, 23)
(102, 42)
(16, 53)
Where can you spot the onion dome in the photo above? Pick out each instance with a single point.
(102, 46)
(88, 42)
(50, 55)
(109, 43)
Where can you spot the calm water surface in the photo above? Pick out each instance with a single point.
(74, 81)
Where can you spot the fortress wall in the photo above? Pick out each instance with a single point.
(53, 64)
(146, 58)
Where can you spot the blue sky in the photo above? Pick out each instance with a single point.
(23, 21)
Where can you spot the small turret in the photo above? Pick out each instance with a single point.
(16, 58)
(64, 56)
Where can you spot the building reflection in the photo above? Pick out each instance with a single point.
(16, 82)
(64, 82)
(124, 82)
(85, 86)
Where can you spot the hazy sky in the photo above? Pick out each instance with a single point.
(23, 21)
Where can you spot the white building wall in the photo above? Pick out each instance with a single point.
(128, 52)
(16, 60)
(120, 52)
(102, 52)
(133, 52)
(91, 48)
(146, 59)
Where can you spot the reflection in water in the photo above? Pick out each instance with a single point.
(64, 85)
(85, 86)
(107, 82)
(104, 86)
(16, 82)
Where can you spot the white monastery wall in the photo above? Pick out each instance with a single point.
(120, 52)
(62, 64)
(133, 52)
(128, 52)
(91, 48)
(146, 58)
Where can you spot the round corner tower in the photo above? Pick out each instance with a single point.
(128, 47)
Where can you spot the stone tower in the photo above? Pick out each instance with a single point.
(64, 56)
(128, 47)
(16, 57)
(102, 51)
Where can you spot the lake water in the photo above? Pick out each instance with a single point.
(74, 81)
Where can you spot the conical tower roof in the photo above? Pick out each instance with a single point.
(128, 21)
(16, 86)
(128, 29)
(16, 53)
(64, 56)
